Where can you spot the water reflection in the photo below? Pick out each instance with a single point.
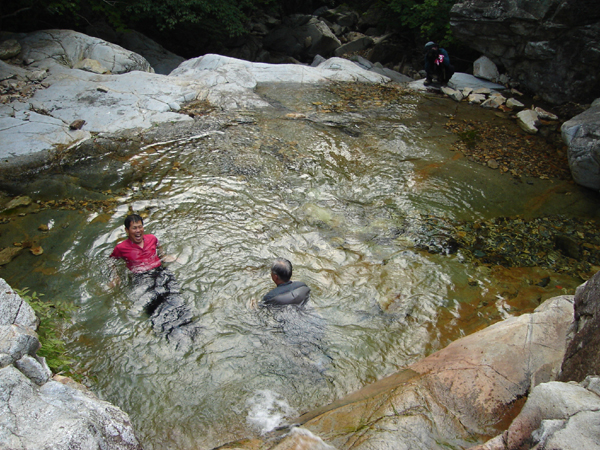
(343, 196)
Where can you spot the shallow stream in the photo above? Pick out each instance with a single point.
(346, 196)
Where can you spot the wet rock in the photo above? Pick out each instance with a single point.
(65, 417)
(8, 254)
(9, 48)
(35, 369)
(18, 202)
(581, 136)
(581, 357)
(296, 438)
(15, 310)
(493, 164)
(482, 91)
(545, 115)
(556, 415)
(17, 341)
(494, 102)
(475, 98)
(391, 74)
(452, 93)
(37, 411)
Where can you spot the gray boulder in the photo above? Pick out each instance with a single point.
(15, 310)
(556, 415)
(582, 136)
(9, 49)
(302, 37)
(581, 357)
(58, 416)
(354, 46)
(461, 81)
(485, 68)
(56, 49)
(161, 60)
(396, 77)
(41, 412)
(549, 47)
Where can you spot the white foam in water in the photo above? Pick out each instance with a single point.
(267, 410)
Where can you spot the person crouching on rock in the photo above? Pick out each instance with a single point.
(143, 256)
(287, 292)
(437, 64)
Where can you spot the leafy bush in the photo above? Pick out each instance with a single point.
(430, 18)
(52, 317)
(229, 15)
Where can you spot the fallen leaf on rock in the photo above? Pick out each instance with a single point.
(37, 251)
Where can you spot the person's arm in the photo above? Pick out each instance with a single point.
(163, 256)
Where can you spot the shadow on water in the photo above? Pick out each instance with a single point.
(362, 202)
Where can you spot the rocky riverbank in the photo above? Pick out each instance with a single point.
(472, 389)
(500, 378)
(459, 396)
(42, 410)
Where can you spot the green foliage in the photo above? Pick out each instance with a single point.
(52, 317)
(228, 15)
(430, 18)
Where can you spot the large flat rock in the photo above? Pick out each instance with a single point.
(130, 96)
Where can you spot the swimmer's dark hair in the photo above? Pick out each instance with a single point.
(282, 268)
(133, 218)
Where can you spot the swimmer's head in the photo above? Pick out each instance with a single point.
(133, 218)
(282, 268)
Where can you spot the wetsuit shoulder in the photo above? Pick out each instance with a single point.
(292, 293)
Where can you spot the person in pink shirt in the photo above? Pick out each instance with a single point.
(143, 255)
(140, 251)
(155, 288)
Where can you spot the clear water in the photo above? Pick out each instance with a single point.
(343, 197)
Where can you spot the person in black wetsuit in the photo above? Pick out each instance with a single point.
(437, 64)
(287, 292)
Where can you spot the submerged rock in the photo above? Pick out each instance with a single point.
(459, 394)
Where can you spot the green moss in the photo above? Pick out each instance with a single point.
(53, 316)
